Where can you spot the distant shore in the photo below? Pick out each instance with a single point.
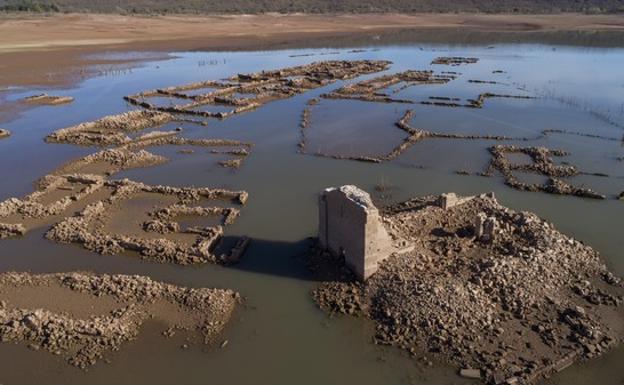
(50, 50)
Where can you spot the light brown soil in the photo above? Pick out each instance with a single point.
(49, 49)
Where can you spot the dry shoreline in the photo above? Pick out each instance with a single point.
(53, 50)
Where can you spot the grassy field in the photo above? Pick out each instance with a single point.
(312, 6)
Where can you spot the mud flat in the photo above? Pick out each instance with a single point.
(85, 317)
(502, 295)
(110, 129)
(151, 225)
(4, 133)
(48, 99)
(541, 164)
(244, 92)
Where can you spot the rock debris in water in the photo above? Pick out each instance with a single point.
(498, 293)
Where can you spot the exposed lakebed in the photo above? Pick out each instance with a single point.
(569, 99)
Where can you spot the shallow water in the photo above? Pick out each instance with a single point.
(279, 336)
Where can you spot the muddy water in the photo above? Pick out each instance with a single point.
(280, 337)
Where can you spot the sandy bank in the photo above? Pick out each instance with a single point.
(51, 50)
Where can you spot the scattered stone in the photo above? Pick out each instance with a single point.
(375, 90)
(470, 373)
(48, 99)
(16, 215)
(471, 103)
(245, 92)
(8, 230)
(231, 163)
(455, 61)
(542, 164)
(510, 297)
(448, 200)
(85, 341)
(109, 130)
(88, 228)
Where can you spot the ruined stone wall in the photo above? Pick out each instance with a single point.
(350, 226)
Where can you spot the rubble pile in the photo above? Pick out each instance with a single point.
(501, 294)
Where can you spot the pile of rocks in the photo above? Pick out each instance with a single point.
(501, 294)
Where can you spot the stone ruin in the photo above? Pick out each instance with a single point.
(454, 60)
(502, 295)
(414, 135)
(350, 226)
(245, 92)
(378, 89)
(158, 236)
(542, 163)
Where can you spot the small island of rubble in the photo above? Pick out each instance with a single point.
(500, 294)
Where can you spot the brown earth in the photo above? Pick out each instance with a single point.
(52, 50)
